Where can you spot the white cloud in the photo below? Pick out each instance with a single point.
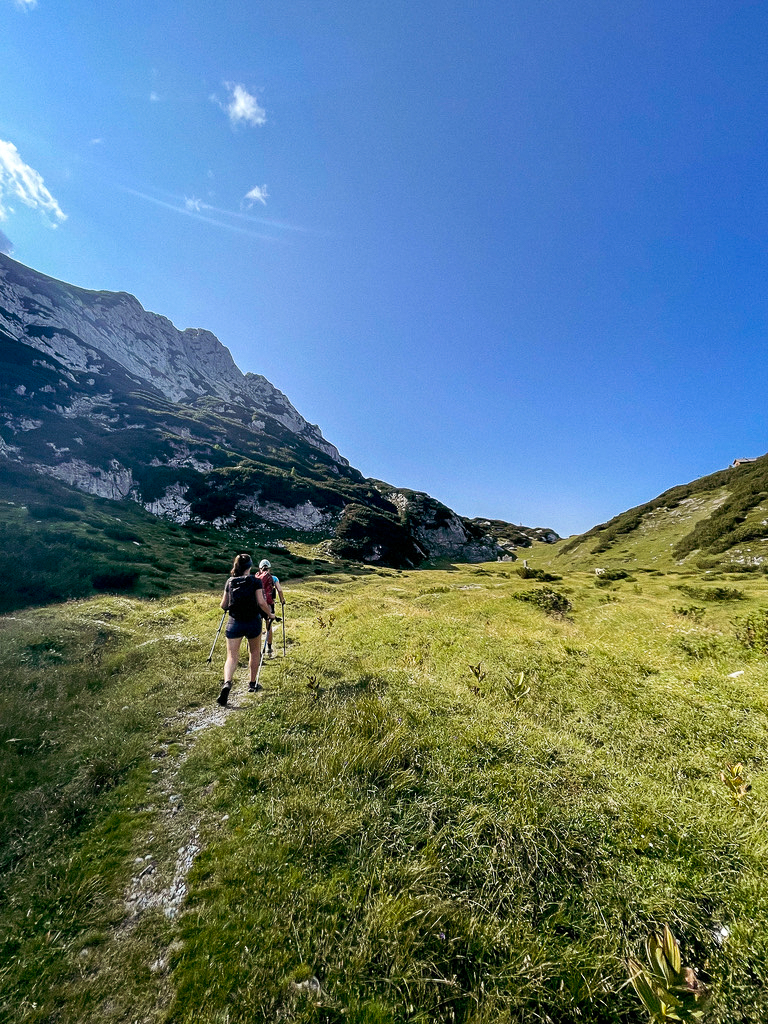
(19, 181)
(194, 204)
(243, 108)
(26, 4)
(154, 97)
(6, 245)
(257, 195)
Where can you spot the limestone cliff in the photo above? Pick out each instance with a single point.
(79, 328)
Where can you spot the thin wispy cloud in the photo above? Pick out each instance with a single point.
(242, 108)
(19, 181)
(154, 97)
(192, 206)
(6, 245)
(199, 210)
(258, 194)
(26, 5)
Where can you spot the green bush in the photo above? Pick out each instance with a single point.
(692, 612)
(115, 579)
(752, 631)
(122, 533)
(550, 601)
(711, 593)
(527, 573)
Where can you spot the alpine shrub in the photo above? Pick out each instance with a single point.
(752, 631)
(711, 593)
(526, 573)
(550, 601)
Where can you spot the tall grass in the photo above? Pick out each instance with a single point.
(384, 837)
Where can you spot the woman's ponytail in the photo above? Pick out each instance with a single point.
(241, 564)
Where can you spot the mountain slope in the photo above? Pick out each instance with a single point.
(115, 401)
(719, 521)
(96, 331)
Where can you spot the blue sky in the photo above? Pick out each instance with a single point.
(509, 253)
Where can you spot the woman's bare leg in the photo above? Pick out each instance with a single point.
(233, 653)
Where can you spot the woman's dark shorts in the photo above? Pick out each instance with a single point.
(240, 627)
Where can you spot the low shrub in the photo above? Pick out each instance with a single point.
(115, 579)
(37, 511)
(550, 601)
(692, 611)
(700, 646)
(525, 572)
(752, 631)
(711, 593)
(121, 533)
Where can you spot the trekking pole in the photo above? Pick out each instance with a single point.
(261, 661)
(282, 609)
(216, 638)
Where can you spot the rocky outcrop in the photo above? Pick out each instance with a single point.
(509, 536)
(306, 517)
(79, 328)
(439, 532)
(171, 505)
(115, 482)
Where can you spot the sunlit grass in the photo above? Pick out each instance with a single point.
(387, 835)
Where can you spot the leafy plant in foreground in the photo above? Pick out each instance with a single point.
(668, 991)
(736, 783)
(314, 687)
(477, 672)
(516, 688)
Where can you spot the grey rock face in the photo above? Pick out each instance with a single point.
(439, 532)
(115, 482)
(78, 328)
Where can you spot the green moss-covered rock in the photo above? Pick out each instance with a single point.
(371, 535)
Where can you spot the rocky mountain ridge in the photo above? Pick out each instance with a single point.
(79, 328)
(115, 401)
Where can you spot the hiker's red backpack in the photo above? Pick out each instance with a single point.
(265, 576)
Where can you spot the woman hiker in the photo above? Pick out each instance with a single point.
(243, 598)
(270, 584)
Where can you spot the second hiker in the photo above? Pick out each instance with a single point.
(270, 585)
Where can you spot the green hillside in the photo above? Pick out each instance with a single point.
(464, 796)
(718, 522)
(59, 544)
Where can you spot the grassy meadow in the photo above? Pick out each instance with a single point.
(457, 800)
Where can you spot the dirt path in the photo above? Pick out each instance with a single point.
(159, 881)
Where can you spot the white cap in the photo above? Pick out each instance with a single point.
(264, 564)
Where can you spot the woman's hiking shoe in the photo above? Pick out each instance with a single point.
(270, 652)
(224, 695)
(254, 687)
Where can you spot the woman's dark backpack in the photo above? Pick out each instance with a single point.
(242, 597)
